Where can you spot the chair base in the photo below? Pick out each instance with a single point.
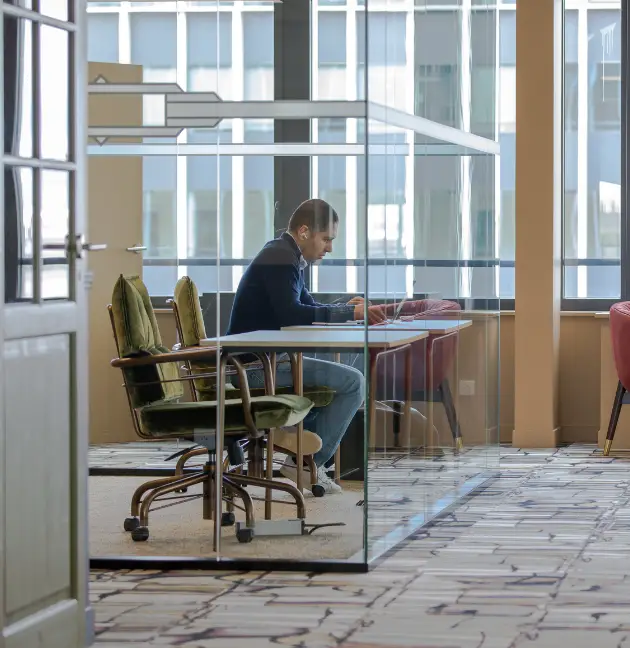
(607, 446)
(233, 486)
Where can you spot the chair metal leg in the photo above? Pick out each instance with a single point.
(269, 474)
(274, 485)
(310, 462)
(451, 414)
(397, 407)
(614, 418)
(181, 462)
(208, 496)
(165, 489)
(246, 498)
(151, 485)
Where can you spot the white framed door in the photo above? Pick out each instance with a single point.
(43, 327)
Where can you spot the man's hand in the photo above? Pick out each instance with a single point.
(375, 314)
(357, 301)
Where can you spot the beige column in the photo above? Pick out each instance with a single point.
(538, 220)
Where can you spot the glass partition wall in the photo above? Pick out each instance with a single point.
(394, 423)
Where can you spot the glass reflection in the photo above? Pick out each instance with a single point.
(55, 213)
(18, 234)
(54, 104)
(18, 91)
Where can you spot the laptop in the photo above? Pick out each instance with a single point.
(362, 322)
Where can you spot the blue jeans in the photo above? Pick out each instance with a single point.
(331, 422)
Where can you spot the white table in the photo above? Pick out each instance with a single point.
(312, 338)
(432, 327)
(333, 340)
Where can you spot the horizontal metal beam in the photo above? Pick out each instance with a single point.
(358, 263)
(439, 132)
(225, 149)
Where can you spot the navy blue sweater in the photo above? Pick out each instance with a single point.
(272, 293)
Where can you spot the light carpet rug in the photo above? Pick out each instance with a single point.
(181, 530)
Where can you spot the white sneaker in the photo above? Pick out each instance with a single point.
(289, 470)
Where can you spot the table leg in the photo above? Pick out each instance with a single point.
(338, 451)
(268, 491)
(371, 400)
(430, 388)
(271, 390)
(218, 468)
(408, 392)
(298, 385)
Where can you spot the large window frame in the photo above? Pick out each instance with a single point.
(285, 60)
(588, 304)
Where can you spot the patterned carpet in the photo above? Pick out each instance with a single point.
(538, 559)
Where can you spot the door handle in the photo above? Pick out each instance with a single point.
(136, 249)
(78, 246)
(94, 247)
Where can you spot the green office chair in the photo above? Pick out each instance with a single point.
(155, 389)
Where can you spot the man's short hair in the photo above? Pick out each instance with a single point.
(316, 214)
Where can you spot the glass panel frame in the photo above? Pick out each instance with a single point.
(385, 141)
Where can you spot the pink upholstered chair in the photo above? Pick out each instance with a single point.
(430, 368)
(620, 334)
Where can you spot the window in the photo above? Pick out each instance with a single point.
(258, 171)
(592, 162)
(385, 55)
(331, 56)
(437, 67)
(103, 37)
(506, 128)
(153, 44)
(198, 207)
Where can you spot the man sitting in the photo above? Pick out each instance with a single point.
(272, 294)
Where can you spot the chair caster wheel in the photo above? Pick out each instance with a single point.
(131, 524)
(140, 534)
(228, 519)
(318, 490)
(245, 535)
(182, 490)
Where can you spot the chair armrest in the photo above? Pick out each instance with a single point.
(188, 355)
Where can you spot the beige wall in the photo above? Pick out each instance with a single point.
(580, 368)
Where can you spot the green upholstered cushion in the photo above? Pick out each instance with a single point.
(137, 334)
(183, 418)
(321, 396)
(193, 329)
(190, 316)
(138, 284)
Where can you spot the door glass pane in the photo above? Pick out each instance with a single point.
(55, 213)
(54, 103)
(18, 87)
(18, 234)
(54, 8)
